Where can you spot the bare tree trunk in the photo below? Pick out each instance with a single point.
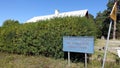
(114, 31)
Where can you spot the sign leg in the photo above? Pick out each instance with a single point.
(68, 58)
(85, 60)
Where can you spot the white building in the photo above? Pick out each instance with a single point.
(80, 13)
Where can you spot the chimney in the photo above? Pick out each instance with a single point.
(56, 12)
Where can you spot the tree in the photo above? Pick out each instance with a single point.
(91, 16)
(10, 23)
(102, 20)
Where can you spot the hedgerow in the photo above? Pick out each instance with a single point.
(44, 37)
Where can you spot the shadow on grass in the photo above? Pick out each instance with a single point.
(76, 57)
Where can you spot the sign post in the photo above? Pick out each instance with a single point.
(68, 58)
(85, 60)
(78, 44)
(106, 47)
(113, 16)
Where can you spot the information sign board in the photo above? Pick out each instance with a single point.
(78, 44)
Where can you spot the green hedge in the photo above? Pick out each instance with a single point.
(44, 37)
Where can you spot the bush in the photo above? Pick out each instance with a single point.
(44, 37)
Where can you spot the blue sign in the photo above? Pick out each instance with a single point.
(78, 44)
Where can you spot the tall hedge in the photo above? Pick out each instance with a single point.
(44, 37)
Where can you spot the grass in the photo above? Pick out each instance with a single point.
(21, 61)
(111, 53)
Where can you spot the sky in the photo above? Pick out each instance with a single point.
(23, 10)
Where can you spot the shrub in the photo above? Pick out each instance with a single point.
(44, 37)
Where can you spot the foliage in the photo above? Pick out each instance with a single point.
(10, 23)
(44, 37)
(103, 20)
